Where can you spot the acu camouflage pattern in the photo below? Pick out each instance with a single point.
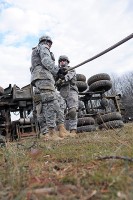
(43, 67)
(69, 83)
(69, 91)
(42, 77)
(38, 110)
(57, 107)
(72, 102)
(60, 113)
(41, 119)
(51, 109)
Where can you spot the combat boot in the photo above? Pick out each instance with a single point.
(53, 135)
(73, 133)
(62, 131)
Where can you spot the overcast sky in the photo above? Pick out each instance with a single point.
(79, 29)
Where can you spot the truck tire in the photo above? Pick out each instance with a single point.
(100, 85)
(98, 77)
(85, 121)
(88, 128)
(109, 117)
(112, 124)
(82, 86)
(81, 77)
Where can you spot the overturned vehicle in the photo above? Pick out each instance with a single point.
(17, 101)
(101, 110)
(97, 110)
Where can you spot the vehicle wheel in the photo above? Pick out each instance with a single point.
(85, 121)
(100, 85)
(82, 86)
(81, 77)
(109, 117)
(112, 124)
(88, 128)
(98, 77)
(1, 91)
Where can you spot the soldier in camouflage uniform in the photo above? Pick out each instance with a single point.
(68, 89)
(43, 71)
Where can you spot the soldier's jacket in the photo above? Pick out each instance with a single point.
(69, 83)
(43, 66)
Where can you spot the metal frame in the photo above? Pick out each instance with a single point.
(19, 100)
(91, 100)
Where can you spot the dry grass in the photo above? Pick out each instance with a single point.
(69, 170)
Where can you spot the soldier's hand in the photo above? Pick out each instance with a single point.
(62, 71)
(59, 82)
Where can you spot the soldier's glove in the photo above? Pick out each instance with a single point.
(59, 83)
(61, 73)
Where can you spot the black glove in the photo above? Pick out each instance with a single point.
(61, 73)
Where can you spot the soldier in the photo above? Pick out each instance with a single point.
(43, 71)
(66, 84)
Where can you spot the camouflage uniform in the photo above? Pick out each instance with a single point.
(39, 114)
(69, 91)
(43, 71)
(38, 111)
(60, 114)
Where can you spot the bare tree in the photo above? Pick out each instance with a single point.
(124, 86)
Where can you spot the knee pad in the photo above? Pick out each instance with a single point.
(72, 113)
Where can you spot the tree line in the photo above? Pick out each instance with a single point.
(123, 85)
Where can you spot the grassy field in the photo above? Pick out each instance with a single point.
(77, 168)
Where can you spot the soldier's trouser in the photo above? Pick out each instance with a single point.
(72, 105)
(41, 119)
(50, 107)
(60, 118)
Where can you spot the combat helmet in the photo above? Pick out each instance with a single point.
(63, 57)
(45, 38)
